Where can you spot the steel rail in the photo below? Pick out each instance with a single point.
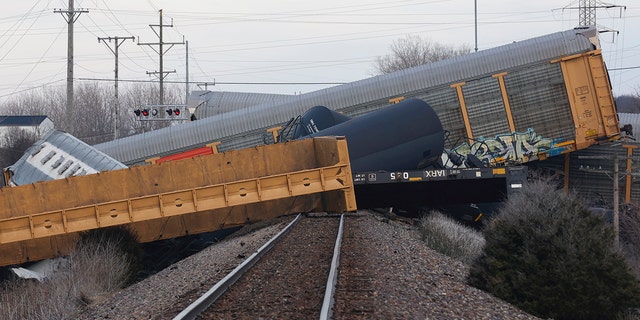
(207, 299)
(327, 305)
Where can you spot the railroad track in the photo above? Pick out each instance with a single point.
(293, 275)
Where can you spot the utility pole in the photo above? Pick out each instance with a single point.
(186, 62)
(475, 11)
(161, 51)
(70, 16)
(616, 201)
(117, 42)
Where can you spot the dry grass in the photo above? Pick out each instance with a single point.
(447, 236)
(95, 268)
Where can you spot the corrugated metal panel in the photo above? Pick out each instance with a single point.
(487, 115)
(211, 103)
(412, 82)
(592, 179)
(444, 101)
(539, 101)
(595, 187)
(58, 155)
(598, 186)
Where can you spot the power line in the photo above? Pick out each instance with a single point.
(216, 82)
(127, 31)
(30, 89)
(17, 25)
(37, 63)
(624, 68)
(21, 37)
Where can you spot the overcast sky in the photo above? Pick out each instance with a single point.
(243, 42)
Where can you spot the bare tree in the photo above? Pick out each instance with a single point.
(93, 118)
(13, 145)
(412, 51)
(94, 113)
(628, 103)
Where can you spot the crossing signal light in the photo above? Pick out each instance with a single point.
(143, 112)
(173, 111)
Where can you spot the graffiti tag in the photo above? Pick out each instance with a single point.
(517, 147)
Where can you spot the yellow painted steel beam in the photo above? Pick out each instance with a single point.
(629, 170)
(577, 55)
(213, 146)
(590, 98)
(177, 198)
(505, 100)
(274, 132)
(179, 202)
(604, 95)
(396, 100)
(463, 109)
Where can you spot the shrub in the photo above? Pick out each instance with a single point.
(630, 236)
(447, 236)
(550, 256)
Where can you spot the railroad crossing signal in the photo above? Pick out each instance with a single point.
(161, 113)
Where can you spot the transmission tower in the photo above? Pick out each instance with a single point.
(161, 51)
(70, 15)
(587, 11)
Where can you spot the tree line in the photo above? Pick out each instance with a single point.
(93, 116)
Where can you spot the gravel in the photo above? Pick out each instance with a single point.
(400, 278)
(289, 281)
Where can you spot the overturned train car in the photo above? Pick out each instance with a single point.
(404, 136)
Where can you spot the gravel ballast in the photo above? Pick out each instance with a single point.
(404, 279)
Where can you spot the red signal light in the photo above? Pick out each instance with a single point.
(145, 112)
(176, 112)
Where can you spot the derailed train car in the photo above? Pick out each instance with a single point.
(406, 136)
(58, 155)
(176, 198)
(508, 105)
(396, 156)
